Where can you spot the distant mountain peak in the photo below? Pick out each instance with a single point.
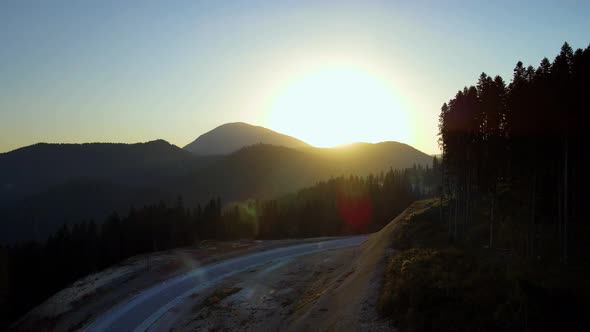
(233, 136)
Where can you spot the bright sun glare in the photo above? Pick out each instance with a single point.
(337, 105)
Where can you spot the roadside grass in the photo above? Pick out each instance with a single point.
(431, 285)
(421, 228)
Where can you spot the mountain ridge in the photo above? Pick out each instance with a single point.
(33, 168)
(46, 184)
(230, 137)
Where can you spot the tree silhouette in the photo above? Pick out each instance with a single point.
(520, 144)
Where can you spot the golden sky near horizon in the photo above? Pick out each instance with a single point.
(327, 73)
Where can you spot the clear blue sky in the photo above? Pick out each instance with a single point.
(130, 71)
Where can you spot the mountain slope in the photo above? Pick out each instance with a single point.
(230, 137)
(99, 179)
(43, 185)
(365, 158)
(265, 171)
(36, 168)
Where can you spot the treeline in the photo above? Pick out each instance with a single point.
(514, 156)
(344, 206)
(31, 272)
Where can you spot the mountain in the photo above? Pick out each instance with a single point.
(264, 171)
(37, 167)
(365, 158)
(44, 185)
(230, 137)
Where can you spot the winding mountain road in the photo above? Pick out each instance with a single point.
(143, 310)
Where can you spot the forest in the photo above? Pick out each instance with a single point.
(514, 155)
(505, 245)
(338, 206)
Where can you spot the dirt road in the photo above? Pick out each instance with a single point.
(144, 310)
(333, 290)
(316, 284)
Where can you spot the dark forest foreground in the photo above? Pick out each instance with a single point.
(506, 245)
(434, 285)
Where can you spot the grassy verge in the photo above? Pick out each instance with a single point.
(433, 286)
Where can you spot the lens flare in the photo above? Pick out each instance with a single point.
(355, 209)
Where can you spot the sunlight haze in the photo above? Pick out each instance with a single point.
(332, 105)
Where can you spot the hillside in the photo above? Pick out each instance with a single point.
(266, 171)
(44, 185)
(230, 137)
(434, 284)
(365, 158)
(36, 168)
(97, 179)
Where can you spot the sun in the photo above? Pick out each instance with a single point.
(335, 105)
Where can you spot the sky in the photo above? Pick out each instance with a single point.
(326, 72)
